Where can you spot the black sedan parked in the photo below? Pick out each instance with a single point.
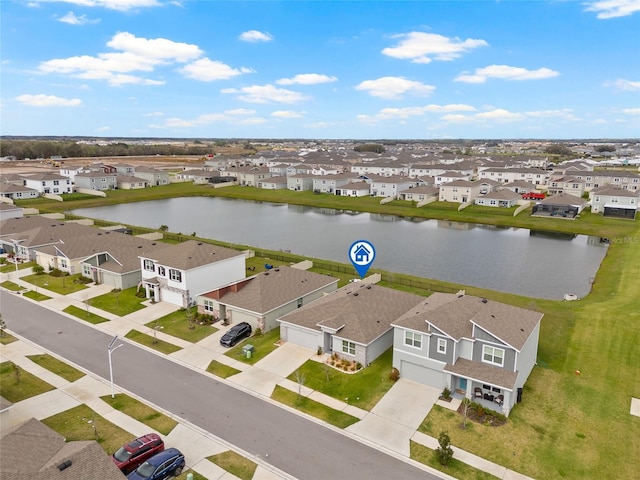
(235, 334)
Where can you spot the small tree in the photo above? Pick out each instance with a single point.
(300, 378)
(3, 325)
(465, 412)
(444, 452)
(163, 228)
(17, 370)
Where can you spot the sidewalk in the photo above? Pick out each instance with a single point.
(389, 426)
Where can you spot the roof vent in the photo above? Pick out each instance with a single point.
(64, 465)
(266, 273)
(368, 287)
(277, 269)
(199, 243)
(522, 329)
(355, 294)
(493, 316)
(484, 300)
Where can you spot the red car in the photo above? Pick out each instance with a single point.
(128, 457)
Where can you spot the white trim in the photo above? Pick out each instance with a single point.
(493, 355)
(413, 339)
(438, 346)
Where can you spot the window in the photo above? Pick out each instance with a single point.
(413, 339)
(614, 199)
(56, 182)
(161, 271)
(493, 355)
(348, 347)
(175, 275)
(63, 263)
(208, 306)
(442, 345)
(496, 389)
(149, 265)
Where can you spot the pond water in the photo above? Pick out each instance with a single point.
(504, 259)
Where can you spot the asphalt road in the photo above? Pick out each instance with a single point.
(295, 445)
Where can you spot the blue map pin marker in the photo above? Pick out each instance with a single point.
(362, 254)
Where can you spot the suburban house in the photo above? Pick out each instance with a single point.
(600, 178)
(96, 181)
(179, 273)
(250, 176)
(48, 183)
(502, 197)
(613, 201)
(17, 192)
(273, 183)
(520, 186)
(152, 175)
(459, 191)
(354, 321)
(329, 183)
(391, 186)
(383, 169)
(420, 193)
(129, 182)
(536, 176)
(32, 450)
(262, 299)
(354, 189)
(561, 205)
(300, 182)
(450, 176)
(475, 347)
(197, 176)
(566, 184)
(8, 210)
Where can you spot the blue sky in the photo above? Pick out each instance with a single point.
(315, 69)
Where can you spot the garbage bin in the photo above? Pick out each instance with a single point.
(247, 351)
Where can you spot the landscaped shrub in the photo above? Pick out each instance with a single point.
(444, 452)
(56, 272)
(38, 269)
(83, 280)
(394, 376)
(446, 394)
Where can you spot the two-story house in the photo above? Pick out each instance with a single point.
(391, 186)
(479, 348)
(566, 184)
(152, 175)
(300, 182)
(459, 191)
(48, 183)
(96, 181)
(179, 273)
(613, 201)
(329, 183)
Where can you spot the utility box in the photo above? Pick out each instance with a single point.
(247, 351)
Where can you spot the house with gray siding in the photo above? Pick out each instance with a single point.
(300, 182)
(96, 181)
(613, 201)
(353, 322)
(477, 348)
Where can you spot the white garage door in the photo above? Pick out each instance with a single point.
(421, 374)
(171, 297)
(302, 337)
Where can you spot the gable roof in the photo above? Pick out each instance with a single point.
(33, 451)
(191, 254)
(274, 288)
(360, 313)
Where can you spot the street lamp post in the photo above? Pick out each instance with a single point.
(15, 259)
(110, 349)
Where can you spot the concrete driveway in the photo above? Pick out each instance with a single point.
(395, 418)
(285, 359)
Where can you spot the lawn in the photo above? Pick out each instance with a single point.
(56, 366)
(9, 285)
(6, 338)
(21, 386)
(194, 475)
(221, 370)
(238, 465)
(141, 412)
(177, 325)
(37, 296)
(363, 389)
(62, 285)
(263, 345)
(149, 341)
(82, 423)
(316, 409)
(11, 267)
(119, 303)
(569, 424)
(456, 468)
(83, 314)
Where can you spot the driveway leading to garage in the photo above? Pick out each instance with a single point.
(397, 416)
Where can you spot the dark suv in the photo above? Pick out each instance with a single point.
(166, 464)
(129, 456)
(235, 334)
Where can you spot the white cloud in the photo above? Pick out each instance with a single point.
(154, 114)
(564, 113)
(287, 114)
(494, 115)
(505, 72)
(266, 94)
(613, 8)
(72, 19)
(407, 112)
(120, 5)
(631, 111)
(138, 54)
(307, 79)
(625, 85)
(208, 70)
(421, 47)
(103, 129)
(236, 116)
(394, 87)
(42, 100)
(255, 36)
(155, 49)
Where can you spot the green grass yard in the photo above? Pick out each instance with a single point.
(62, 285)
(141, 412)
(221, 370)
(83, 314)
(263, 345)
(238, 465)
(119, 303)
(177, 325)
(362, 389)
(151, 342)
(56, 366)
(21, 386)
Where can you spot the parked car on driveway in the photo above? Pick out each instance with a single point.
(166, 464)
(235, 334)
(128, 457)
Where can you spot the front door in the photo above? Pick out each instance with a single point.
(462, 384)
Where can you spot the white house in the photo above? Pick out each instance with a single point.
(48, 183)
(179, 273)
